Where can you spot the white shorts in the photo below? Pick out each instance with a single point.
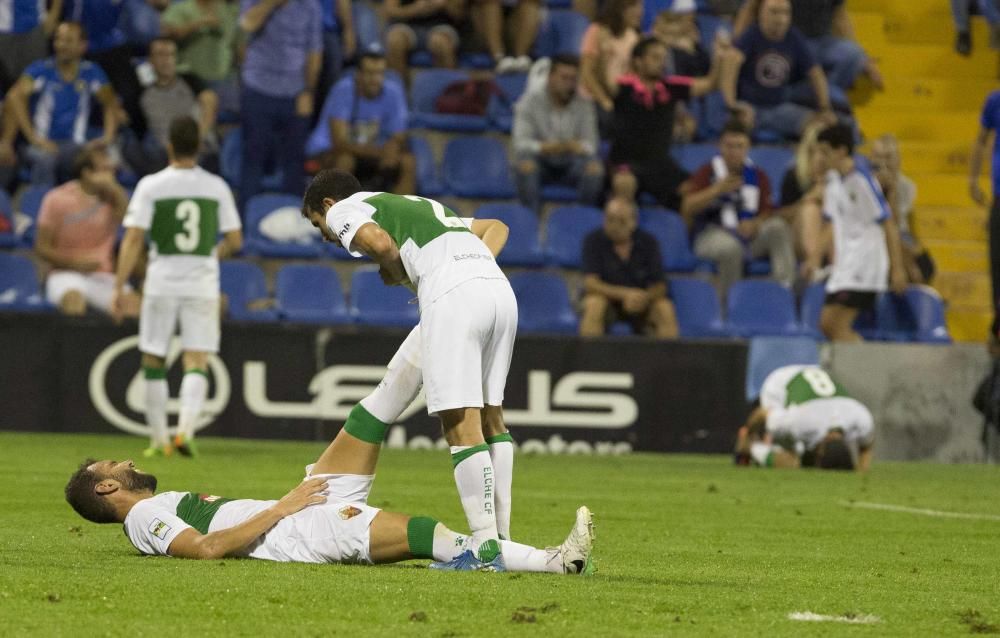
(809, 422)
(401, 383)
(467, 339)
(96, 287)
(199, 321)
(337, 531)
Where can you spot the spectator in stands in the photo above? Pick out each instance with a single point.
(518, 20)
(653, 9)
(606, 52)
(727, 202)
(801, 203)
(555, 138)
(169, 97)
(8, 132)
(51, 105)
(827, 26)
(425, 25)
(25, 29)
(109, 50)
(280, 72)
(642, 125)
(340, 41)
(362, 128)
(77, 227)
(206, 34)
(777, 58)
(989, 122)
(901, 193)
(866, 239)
(623, 277)
(960, 10)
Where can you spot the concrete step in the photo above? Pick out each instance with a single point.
(953, 255)
(945, 190)
(968, 325)
(928, 126)
(935, 60)
(967, 289)
(922, 93)
(948, 223)
(911, 24)
(935, 158)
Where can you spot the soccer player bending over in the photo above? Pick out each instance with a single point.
(806, 418)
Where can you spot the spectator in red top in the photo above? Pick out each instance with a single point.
(77, 227)
(728, 204)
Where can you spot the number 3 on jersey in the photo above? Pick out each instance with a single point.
(185, 226)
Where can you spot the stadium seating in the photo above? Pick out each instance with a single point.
(927, 309)
(543, 304)
(477, 167)
(426, 87)
(672, 235)
(309, 293)
(30, 203)
(697, 308)
(767, 354)
(810, 308)
(774, 161)
(522, 248)
(565, 231)
(429, 181)
(259, 207)
(367, 26)
(372, 303)
(231, 162)
(760, 307)
(7, 239)
(243, 282)
(501, 107)
(19, 287)
(561, 32)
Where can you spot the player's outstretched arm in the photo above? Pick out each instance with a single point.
(371, 240)
(192, 544)
(864, 458)
(493, 232)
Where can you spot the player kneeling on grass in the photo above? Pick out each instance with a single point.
(325, 519)
(806, 418)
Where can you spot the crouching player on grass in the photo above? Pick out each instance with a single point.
(806, 418)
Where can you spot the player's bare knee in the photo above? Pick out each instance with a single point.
(492, 417)
(195, 360)
(152, 361)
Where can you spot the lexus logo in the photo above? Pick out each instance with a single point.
(134, 397)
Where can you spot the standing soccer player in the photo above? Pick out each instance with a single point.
(468, 320)
(183, 208)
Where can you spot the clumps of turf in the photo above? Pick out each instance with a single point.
(977, 623)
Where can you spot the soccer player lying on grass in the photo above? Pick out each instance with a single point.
(806, 418)
(325, 519)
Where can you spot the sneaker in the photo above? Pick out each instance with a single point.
(467, 562)
(576, 550)
(522, 64)
(185, 446)
(963, 43)
(154, 451)
(506, 64)
(488, 551)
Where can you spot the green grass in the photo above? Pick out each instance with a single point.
(686, 545)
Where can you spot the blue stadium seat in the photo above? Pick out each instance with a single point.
(372, 303)
(522, 248)
(543, 303)
(767, 354)
(19, 287)
(428, 177)
(565, 231)
(309, 293)
(810, 308)
(231, 161)
(477, 167)
(8, 239)
(30, 203)
(243, 282)
(697, 308)
(691, 157)
(367, 26)
(501, 107)
(760, 307)
(259, 207)
(426, 87)
(559, 193)
(927, 310)
(774, 161)
(672, 234)
(891, 320)
(561, 32)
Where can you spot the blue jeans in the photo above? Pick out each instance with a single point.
(843, 60)
(785, 119)
(571, 171)
(989, 9)
(271, 128)
(49, 169)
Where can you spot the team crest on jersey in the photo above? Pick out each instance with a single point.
(159, 529)
(348, 512)
(208, 498)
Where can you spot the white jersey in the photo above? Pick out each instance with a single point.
(857, 208)
(183, 211)
(437, 249)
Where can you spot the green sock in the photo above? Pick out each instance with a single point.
(154, 373)
(362, 425)
(420, 536)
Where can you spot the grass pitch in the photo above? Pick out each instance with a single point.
(686, 545)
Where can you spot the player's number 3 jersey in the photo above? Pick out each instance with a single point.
(436, 246)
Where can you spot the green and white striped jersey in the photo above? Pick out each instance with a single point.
(436, 246)
(183, 212)
(794, 385)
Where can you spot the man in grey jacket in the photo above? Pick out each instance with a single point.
(555, 138)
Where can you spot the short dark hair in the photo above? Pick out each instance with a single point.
(333, 183)
(735, 127)
(184, 136)
(373, 51)
(644, 44)
(163, 40)
(836, 455)
(85, 158)
(81, 493)
(838, 136)
(564, 59)
(82, 30)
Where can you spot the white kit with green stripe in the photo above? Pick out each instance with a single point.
(436, 246)
(183, 212)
